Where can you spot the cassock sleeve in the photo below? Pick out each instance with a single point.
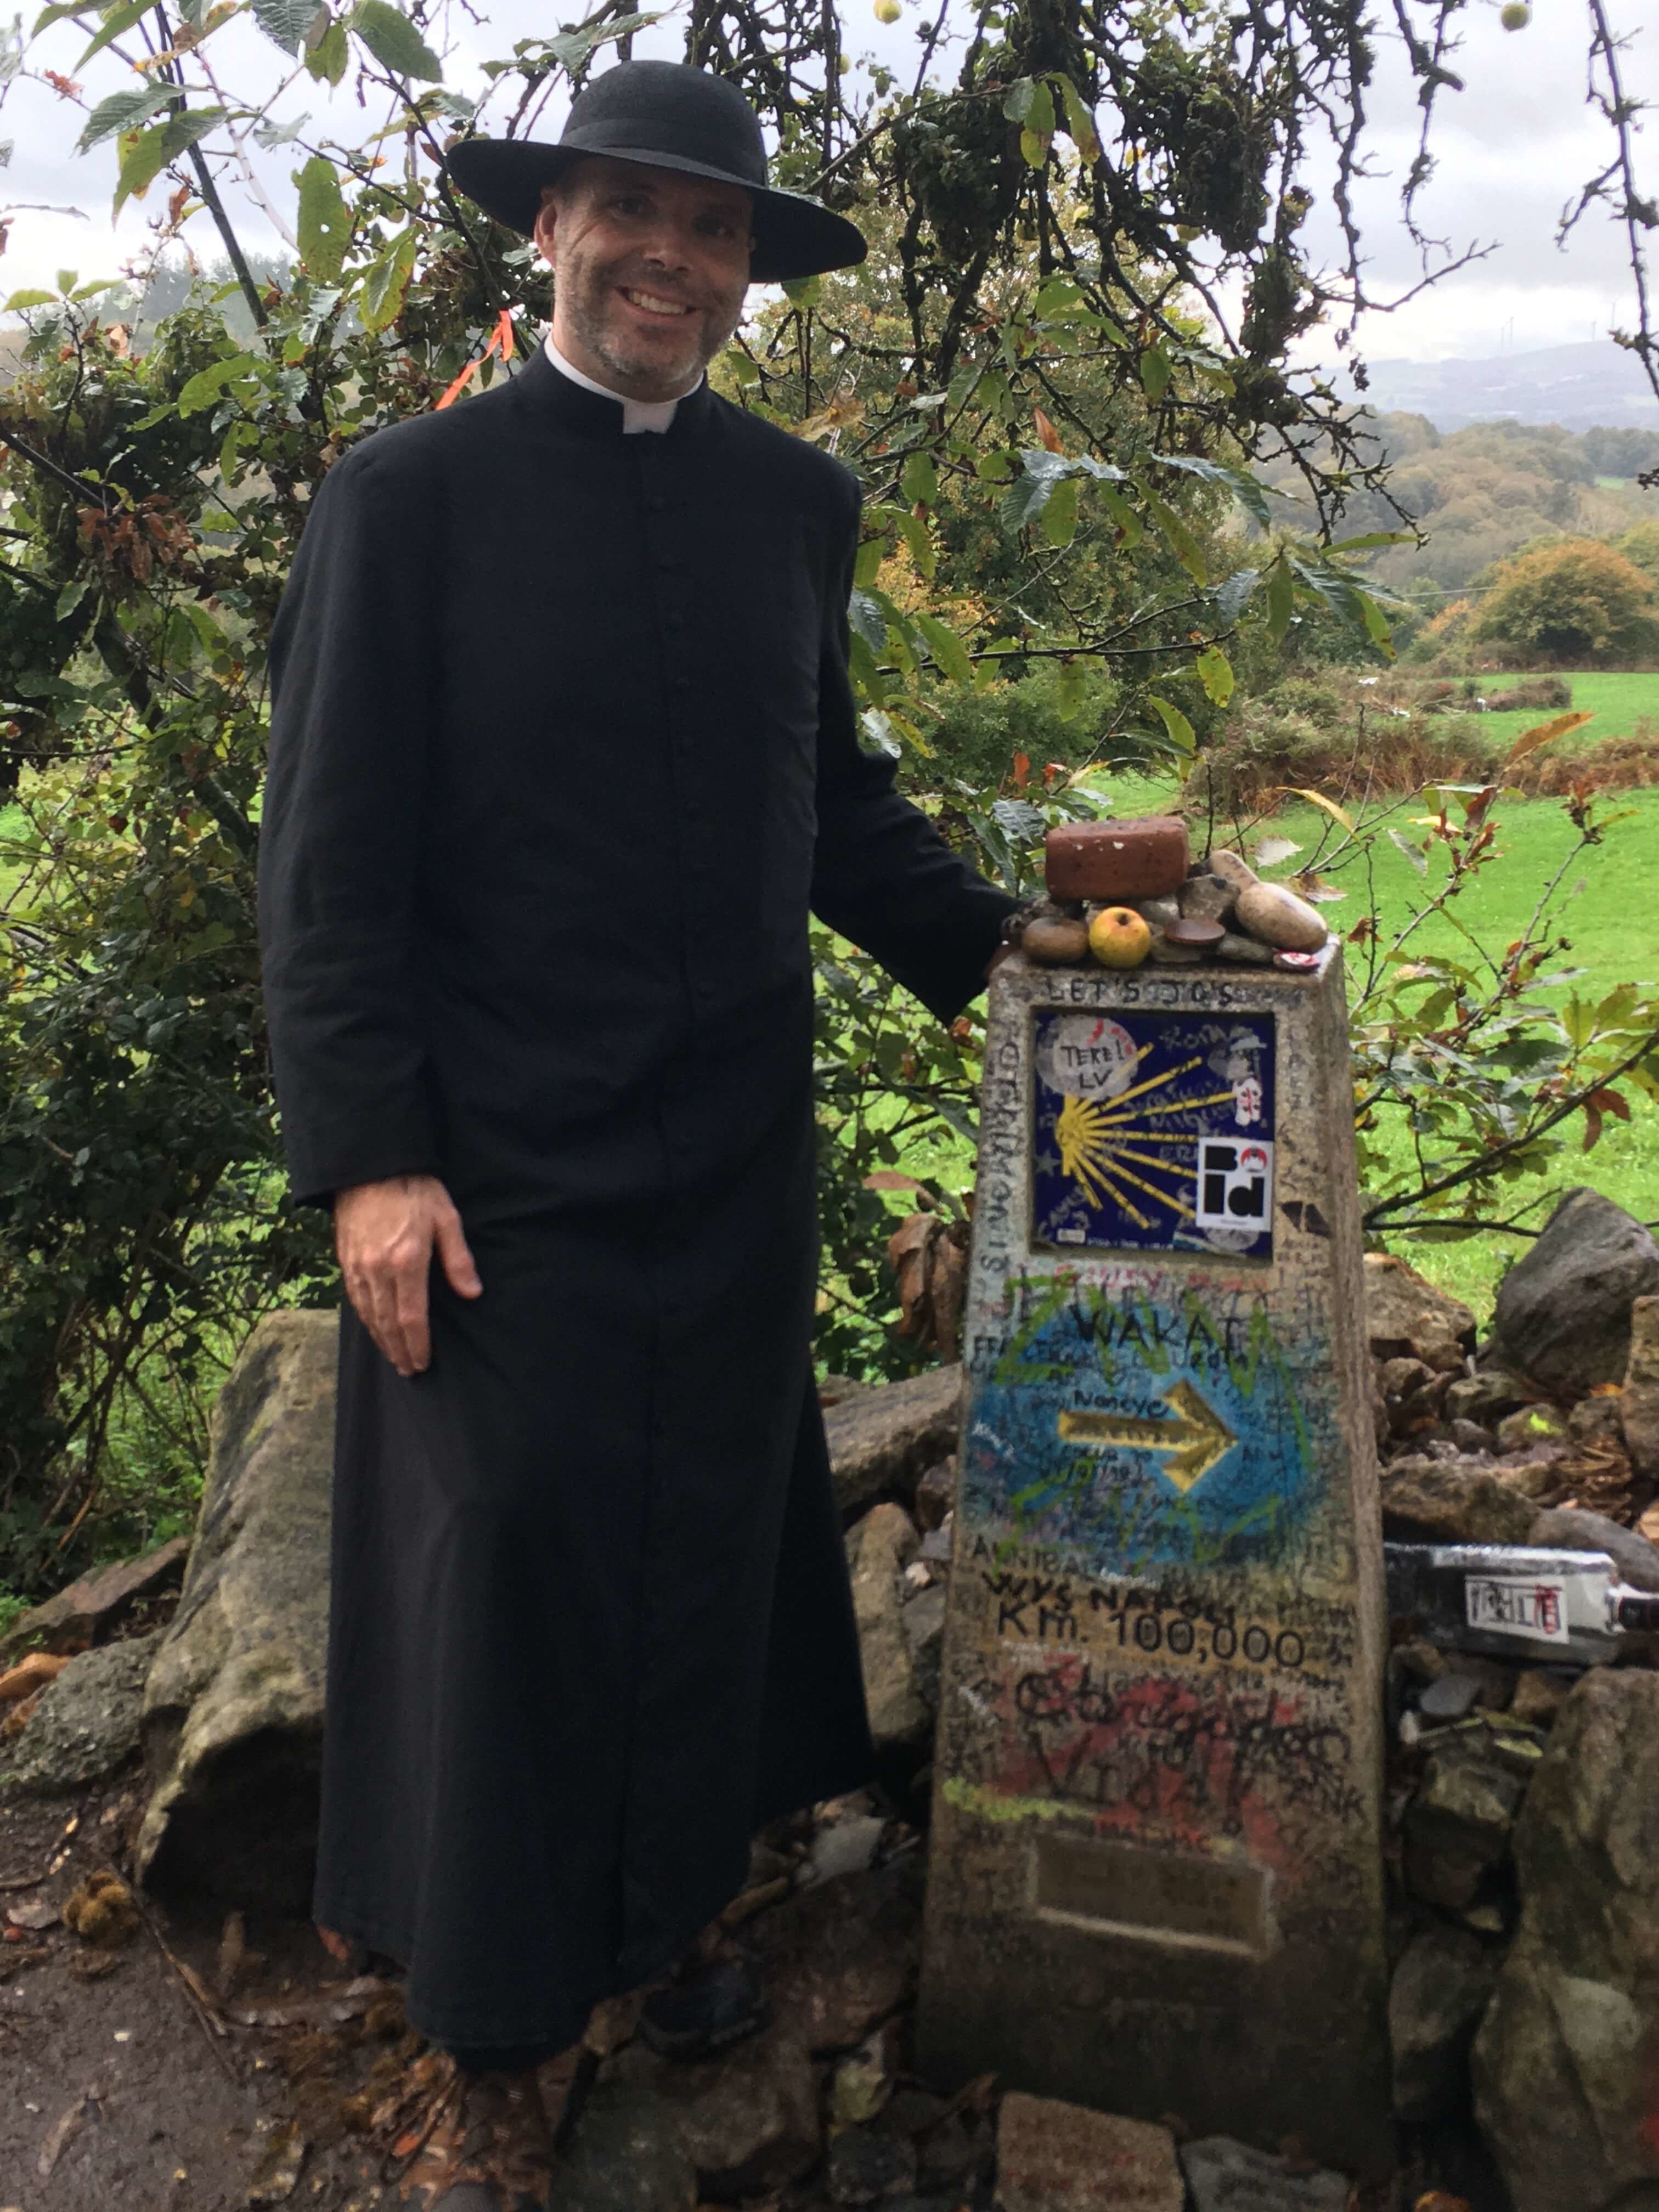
(353, 684)
(883, 875)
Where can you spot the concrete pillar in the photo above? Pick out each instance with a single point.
(1156, 1883)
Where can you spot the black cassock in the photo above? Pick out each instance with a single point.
(563, 751)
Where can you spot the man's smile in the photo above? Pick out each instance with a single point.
(652, 303)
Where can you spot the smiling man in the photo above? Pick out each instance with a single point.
(564, 756)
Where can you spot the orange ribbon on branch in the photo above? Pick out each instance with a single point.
(500, 342)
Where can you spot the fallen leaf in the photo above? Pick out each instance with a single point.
(93, 1966)
(33, 1913)
(30, 1674)
(334, 2002)
(62, 2128)
(278, 2171)
(18, 1717)
(232, 1950)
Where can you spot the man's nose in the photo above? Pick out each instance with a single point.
(668, 245)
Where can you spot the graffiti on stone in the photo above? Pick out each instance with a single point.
(1138, 1432)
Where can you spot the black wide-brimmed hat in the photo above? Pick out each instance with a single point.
(668, 116)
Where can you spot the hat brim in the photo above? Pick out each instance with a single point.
(794, 236)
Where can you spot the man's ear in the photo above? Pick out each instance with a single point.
(546, 221)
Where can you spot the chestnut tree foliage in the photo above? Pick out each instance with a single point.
(1057, 376)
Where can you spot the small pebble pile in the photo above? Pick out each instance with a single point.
(1215, 909)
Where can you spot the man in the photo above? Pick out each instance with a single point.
(563, 751)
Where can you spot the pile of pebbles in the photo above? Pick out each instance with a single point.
(1222, 911)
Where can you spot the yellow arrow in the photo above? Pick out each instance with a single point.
(1194, 1440)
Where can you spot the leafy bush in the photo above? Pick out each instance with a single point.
(1582, 601)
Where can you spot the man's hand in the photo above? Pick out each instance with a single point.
(384, 1233)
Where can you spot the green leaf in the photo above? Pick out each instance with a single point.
(1235, 595)
(324, 225)
(208, 386)
(1281, 595)
(143, 157)
(286, 23)
(866, 566)
(36, 298)
(1038, 132)
(1243, 486)
(865, 613)
(1371, 537)
(1215, 673)
(1059, 520)
(1182, 542)
(120, 18)
(920, 480)
(995, 468)
(1017, 102)
(147, 153)
(329, 60)
(1155, 373)
(94, 286)
(1030, 492)
(949, 654)
(1411, 852)
(122, 111)
(866, 677)
(803, 291)
(1079, 123)
(1131, 528)
(573, 48)
(393, 40)
(387, 281)
(914, 533)
(1179, 728)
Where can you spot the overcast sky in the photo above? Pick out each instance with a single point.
(1510, 148)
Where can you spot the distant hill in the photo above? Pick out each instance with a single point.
(1483, 492)
(1578, 386)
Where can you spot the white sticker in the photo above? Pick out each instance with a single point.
(1087, 1056)
(1508, 1605)
(1235, 1184)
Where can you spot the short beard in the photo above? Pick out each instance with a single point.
(585, 307)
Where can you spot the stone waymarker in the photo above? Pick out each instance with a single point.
(1157, 1883)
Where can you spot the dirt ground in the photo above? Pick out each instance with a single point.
(134, 2085)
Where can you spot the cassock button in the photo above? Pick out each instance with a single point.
(682, 683)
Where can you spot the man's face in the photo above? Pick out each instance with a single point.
(650, 269)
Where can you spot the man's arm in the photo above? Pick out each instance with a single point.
(882, 876)
(353, 675)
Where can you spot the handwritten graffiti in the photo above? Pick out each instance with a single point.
(1082, 1414)
(1208, 1755)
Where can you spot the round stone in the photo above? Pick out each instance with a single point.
(1194, 930)
(1054, 941)
(1248, 951)
(1280, 919)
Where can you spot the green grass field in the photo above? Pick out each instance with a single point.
(1618, 702)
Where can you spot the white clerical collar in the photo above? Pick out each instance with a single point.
(637, 413)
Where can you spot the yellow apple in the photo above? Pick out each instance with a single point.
(1515, 16)
(1119, 938)
(888, 11)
